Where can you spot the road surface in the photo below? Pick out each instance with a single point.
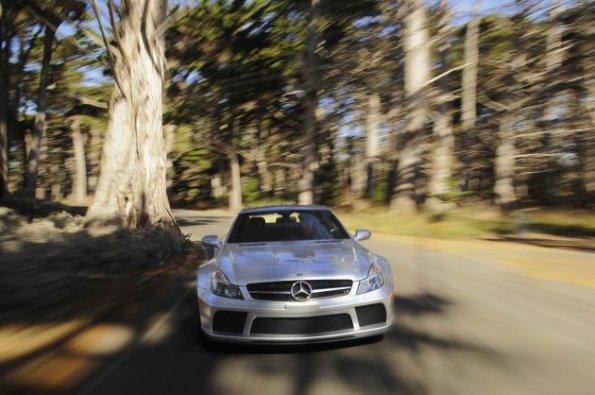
(463, 326)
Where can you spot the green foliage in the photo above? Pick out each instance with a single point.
(379, 192)
(191, 178)
(251, 190)
(328, 185)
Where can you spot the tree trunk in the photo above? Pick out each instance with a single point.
(5, 53)
(56, 183)
(169, 134)
(79, 181)
(553, 61)
(588, 167)
(417, 68)
(235, 194)
(469, 94)
(588, 145)
(310, 73)
(265, 177)
(217, 186)
(41, 192)
(33, 160)
(442, 159)
(3, 133)
(372, 132)
(94, 150)
(442, 154)
(131, 190)
(505, 164)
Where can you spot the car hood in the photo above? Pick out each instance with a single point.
(281, 261)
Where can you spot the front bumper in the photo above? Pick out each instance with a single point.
(260, 321)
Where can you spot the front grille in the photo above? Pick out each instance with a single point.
(229, 321)
(371, 314)
(301, 326)
(281, 290)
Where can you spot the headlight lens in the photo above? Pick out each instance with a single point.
(373, 281)
(221, 286)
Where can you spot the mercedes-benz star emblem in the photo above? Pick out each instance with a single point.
(301, 291)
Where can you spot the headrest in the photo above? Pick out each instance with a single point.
(256, 221)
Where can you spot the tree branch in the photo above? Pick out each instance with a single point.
(107, 47)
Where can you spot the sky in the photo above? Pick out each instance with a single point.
(462, 9)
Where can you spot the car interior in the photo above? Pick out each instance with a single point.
(286, 226)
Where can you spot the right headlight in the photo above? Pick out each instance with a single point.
(221, 286)
(373, 281)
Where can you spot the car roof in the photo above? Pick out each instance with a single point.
(292, 207)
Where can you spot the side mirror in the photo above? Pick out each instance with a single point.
(362, 234)
(211, 241)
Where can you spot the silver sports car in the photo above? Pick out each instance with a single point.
(292, 274)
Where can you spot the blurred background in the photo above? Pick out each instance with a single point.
(406, 105)
(442, 123)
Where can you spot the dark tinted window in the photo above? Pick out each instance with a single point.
(287, 225)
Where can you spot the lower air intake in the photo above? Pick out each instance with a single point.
(229, 321)
(371, 314)
(302, 326)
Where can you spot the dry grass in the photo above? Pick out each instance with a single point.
(50, 266)
(472, 221)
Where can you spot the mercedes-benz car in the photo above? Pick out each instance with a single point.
(292, 274)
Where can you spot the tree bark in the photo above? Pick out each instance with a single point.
(588, 166)
(235, 194)
(79, 180)
(265, 177)
(372, 133)
(5, 47)
(442, 159)
(94, 152)
(444, 141)
(3, 132)
(56, 180)
(131, 190)
(553, 60)
(39, 129)
(505, 164)
(588, 144)
(469, 94)
(417, 68)
(169, 134)
(41, 185)
(310, 73)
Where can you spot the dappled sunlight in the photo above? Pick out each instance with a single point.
(24, 338)
(59, 357)
(459, 134)
(103, 339)
(397, 364)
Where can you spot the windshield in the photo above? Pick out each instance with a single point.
(287, 225)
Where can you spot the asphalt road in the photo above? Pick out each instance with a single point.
(462, 327)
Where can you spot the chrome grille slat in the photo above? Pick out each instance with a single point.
(281, 290)
(272, 292)
(330, 289)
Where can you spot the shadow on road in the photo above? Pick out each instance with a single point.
(174, 359)
(197, 221)
(373, 366)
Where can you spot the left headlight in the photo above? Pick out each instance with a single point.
(373, 281)
(221, 286)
